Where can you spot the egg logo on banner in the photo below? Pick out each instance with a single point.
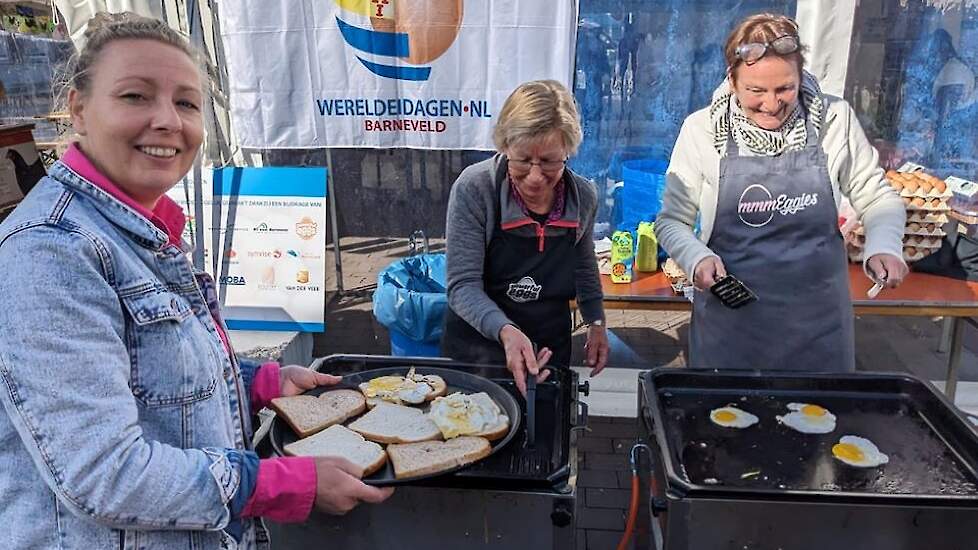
(385, 31)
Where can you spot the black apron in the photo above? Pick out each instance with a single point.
(776, 230)
(532, 287)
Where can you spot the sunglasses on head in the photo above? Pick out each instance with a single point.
(752, 52)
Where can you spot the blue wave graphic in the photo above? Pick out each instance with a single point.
(377, 43)
(400, 73)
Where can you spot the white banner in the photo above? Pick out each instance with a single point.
(387, 73)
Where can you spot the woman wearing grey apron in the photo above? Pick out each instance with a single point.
(764, 168)
(519, 243)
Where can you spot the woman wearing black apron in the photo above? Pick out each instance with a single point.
(519, 245)
(764, 167)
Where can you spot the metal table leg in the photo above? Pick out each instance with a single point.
(946, 325)
(954, 358)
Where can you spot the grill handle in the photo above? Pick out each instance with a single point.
(581, 416)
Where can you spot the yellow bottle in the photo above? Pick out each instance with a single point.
(646, 258)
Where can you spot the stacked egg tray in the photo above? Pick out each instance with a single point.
(925, 197)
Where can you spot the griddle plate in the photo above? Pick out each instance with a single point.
(920, 463)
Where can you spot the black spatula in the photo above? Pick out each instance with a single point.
(732, 293)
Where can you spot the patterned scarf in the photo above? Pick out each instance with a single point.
(556, 211)
(791, 136)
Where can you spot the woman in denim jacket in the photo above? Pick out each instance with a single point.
(127, 415)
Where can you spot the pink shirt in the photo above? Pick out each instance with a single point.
(286, 487)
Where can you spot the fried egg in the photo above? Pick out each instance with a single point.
(462, 414)
(808, 418)
(396, 389)
(859, 452)
(732, 417)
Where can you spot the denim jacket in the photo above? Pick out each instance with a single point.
(127, 422)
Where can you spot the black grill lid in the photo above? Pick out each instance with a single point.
(933, 452)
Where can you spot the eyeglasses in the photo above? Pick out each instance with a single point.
(521, 167)
(753, 52)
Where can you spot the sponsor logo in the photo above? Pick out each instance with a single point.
(267, 281)
(306, 228)
(293, 253)
(233, 280)
(398, 39)
(233, 229)
(757, 206)
(302, 276)
(524, 290)
(265, 228)
(303, 288)
(265, 253)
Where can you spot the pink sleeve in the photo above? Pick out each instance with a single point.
(285, 491)
(265, 386)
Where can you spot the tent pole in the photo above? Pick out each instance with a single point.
(334, 226)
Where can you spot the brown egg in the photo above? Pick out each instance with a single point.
(935, 203)
(911, 184)
(940, 186)
(431, 26)
(896, 184)
(918, 201)
(931, 227)
(909, 251)
(926, 186)
(913, 227)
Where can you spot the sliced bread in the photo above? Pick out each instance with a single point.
(431, 457)
(389, 423)
(309, 414)
(342, 442)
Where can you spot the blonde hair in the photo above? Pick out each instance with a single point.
(535, 109)
(105, 28)
(763, 28)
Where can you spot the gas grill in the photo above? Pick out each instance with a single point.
(769, 487)
(521, 497)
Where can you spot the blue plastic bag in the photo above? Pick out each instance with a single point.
(641, 197)
(411, 298)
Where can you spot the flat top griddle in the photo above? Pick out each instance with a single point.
(932, 450)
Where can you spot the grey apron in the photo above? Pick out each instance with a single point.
(776, 230)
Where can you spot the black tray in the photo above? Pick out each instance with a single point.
(933, 451)
(281, 434)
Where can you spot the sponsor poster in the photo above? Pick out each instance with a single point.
(267, 244)
(387, 73)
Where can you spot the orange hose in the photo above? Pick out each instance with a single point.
(632, 513)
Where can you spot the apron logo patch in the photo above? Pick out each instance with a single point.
(757, 206)
(525, 290)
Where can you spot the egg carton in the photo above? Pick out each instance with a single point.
(918, 184)
(918, 241)
(856, 256)
(919, 204)
(922, 242)
(922, 216)
(932, 229)
(924, 229)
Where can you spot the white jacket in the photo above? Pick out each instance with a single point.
(853, 164)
